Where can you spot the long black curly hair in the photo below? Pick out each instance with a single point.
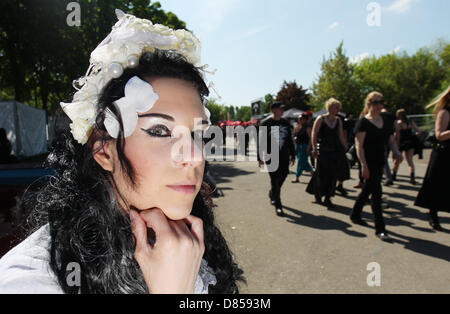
(87, 225)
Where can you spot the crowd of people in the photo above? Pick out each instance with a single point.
(369, 141)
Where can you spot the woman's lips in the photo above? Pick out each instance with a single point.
(185, 189)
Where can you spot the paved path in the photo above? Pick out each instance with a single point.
(314, 250)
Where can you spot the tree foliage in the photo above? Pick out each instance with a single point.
(407, 82)
(293, 96)
(268, 101)
(216, 110)
(243, 113)
(40, 54)
(444, 56)
(337, 80)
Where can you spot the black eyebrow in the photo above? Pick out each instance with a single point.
(164, 116)
(157, 115)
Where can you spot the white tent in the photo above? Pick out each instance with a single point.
(292, 113)
(25, 127)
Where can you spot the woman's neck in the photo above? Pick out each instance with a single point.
(373, 114)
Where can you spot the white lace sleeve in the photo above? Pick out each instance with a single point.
(205, 278)
(26, 269)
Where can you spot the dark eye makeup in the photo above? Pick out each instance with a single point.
(163, 131)
(158, 131)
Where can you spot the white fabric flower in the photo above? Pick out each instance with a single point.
(83, 110)
(139, 97)
(81, 129)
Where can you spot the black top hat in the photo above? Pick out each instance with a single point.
(277, 104)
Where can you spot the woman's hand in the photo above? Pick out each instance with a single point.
(172, 264)
(365, 172)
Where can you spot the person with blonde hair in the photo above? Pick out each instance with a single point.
(373, 133)
(406, 132)
(328, 144)
(434, 190)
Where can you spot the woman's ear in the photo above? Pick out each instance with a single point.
(104, 154)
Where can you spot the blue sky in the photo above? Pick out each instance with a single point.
(257, 44)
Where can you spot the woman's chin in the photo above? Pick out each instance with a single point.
(177, 212)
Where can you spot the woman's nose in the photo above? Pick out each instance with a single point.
(188, 149)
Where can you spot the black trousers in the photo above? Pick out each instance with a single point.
(371, 187)
(277, 179)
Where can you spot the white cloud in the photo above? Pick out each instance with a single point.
(334, 25)
(396, 50)
(357, 59)
(400, 6)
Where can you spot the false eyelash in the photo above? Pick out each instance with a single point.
(149, 131)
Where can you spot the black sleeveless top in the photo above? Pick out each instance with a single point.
(406, 135)
(328, 138)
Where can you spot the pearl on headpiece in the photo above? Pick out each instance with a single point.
(115, 69)
(133, 61)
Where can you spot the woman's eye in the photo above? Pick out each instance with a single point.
(159, 131)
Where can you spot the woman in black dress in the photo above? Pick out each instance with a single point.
(329, 143)
(406, 132)
(434, 192)
(373, 134)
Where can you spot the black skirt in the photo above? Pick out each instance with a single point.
(434, 193)
(323, 182)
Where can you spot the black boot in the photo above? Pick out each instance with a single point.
(433, 219)
(340, 189)
(329, 204)
(394, 176)
(413, 179)
(272, 201)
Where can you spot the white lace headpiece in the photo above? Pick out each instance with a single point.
(121, 49)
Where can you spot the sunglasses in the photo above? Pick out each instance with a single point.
(378, 102)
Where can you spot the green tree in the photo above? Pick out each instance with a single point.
(444, 57)
(216, 110)
(293, 96)
(40, 54)
(268, 101)
(407, 82)
(243, 113)
(337, 80)
(232, 113)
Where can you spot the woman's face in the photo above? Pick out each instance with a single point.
(168, 166)
(333, 109)
(377, 104)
